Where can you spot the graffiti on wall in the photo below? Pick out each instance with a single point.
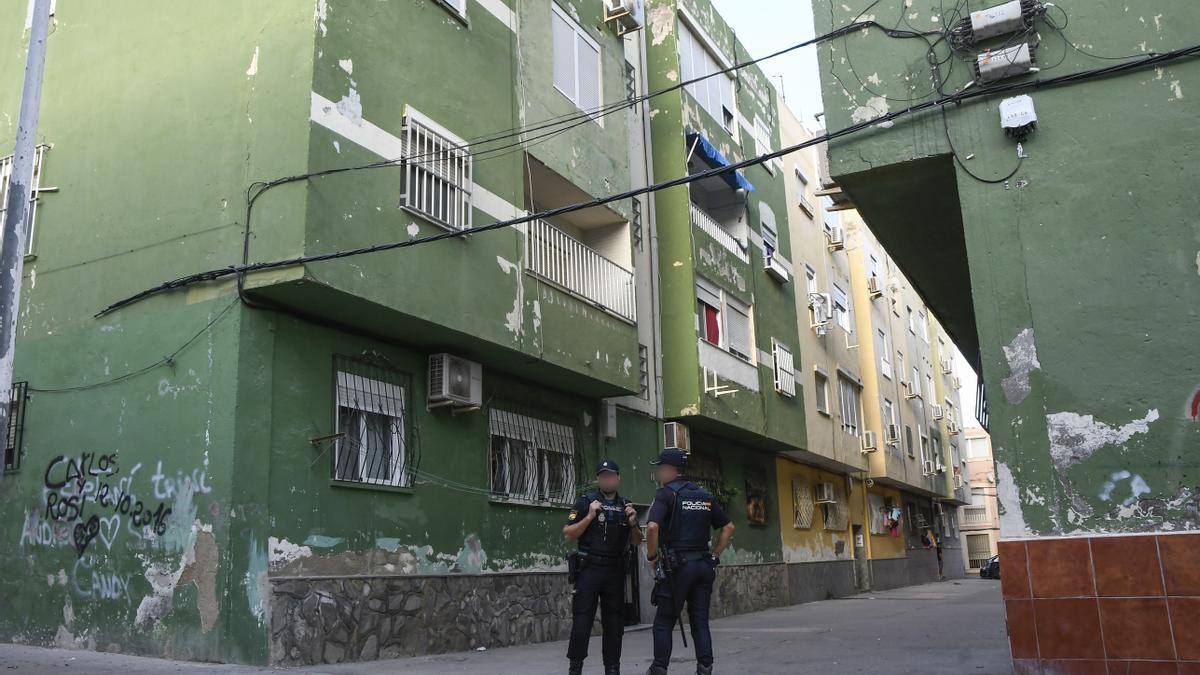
(88, 501)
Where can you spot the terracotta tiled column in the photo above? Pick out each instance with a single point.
(1112, 604)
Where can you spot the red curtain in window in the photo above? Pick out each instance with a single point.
(712, 324)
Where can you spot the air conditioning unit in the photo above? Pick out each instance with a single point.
(776, 269)
(676, 437)
(956, 382)
(874, 288)
(927, 467)
(947, 367)
(958, 482)
(941, 468)
(869, 444)
(454, 381)
(911, 391)
(893, 434)
(628, 15)
(836, 237)
(822, 311)
(938, 411)
(824, 493)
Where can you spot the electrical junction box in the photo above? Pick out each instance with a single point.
(1001, 63)
(998, 20)
(1018, 117)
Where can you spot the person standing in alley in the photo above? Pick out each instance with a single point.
(605, 525)
(678, 531)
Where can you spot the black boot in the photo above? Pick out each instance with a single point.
(702, 669)
(656, 670)
(576, 667)
(612, 670)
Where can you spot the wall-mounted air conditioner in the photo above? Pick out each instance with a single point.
(911, 391)
(874, 288)
(627, 15)
(676, 437)
(454, 381)
(938, 411)
(824, 493)
(869, 443)
(836, 237)
(927, 467)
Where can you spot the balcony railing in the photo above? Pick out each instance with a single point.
(975, 515)
(705, 222)
(571, 265)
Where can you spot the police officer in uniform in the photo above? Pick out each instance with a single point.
(681, 520)
(605, 525)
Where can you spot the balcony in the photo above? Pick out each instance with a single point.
(705, 222)
(568, 263)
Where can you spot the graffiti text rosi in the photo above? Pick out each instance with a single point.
(72, 482)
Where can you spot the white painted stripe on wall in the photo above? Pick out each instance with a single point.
(498, 9)
(389, 146)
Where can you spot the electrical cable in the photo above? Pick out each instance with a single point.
(957, 98)
(958, 160)
(166, 360)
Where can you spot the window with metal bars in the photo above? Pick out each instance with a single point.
(530, 460)
(6, 167)
(756, 496)
(785, 369)
(803, 505)
(16, 426)
(371, 417)
(437, 173)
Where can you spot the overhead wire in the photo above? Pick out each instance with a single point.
(959, 97)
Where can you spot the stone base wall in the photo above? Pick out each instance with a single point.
(807, 582)
(334, 620)
(919, 566)
(741, 589)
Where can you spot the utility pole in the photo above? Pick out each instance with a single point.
(15, 232)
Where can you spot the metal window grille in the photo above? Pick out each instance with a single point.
(785, 370)
(837, 514)
(803, 506)
(6, 166)
(638, 239)
(643, 372)
(16, 426)
(371, 417)
(437, 176)
(756, 496)
(979, 549)
(530, 460)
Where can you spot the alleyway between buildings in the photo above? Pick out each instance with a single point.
(950, 628)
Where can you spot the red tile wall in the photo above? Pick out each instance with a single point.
(1125, 605)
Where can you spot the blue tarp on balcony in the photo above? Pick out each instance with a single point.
(714, 158)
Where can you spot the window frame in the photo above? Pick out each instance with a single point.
(579, 33)
(841, 309)
(852, 415)
(458, 150)
(885, 354)
(726, 308)
(696, 37)
(538, 438)
(373, 391)
(456, 7)
(821, 393)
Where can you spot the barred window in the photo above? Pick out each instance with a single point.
(6, 167)
(837, 513)
(437, 173)
(15, 428)
(756, 496)
(372, 418)
(803, 505)
(531, 460)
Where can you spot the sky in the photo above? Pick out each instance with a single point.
(767, 26)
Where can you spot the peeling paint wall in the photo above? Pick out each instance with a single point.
(1083, 295)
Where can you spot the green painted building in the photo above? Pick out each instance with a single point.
(371, 455)
(1065, 269)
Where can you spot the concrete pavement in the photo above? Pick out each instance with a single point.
(949, 628)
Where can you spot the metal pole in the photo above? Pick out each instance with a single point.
(15, 233)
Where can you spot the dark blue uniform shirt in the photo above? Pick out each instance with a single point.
(697, 514)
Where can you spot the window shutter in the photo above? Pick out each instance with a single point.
(737, 326)
(563, 48)
(785, 373)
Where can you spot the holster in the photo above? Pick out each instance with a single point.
(576, 562)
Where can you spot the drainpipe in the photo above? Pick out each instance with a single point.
(12, 251)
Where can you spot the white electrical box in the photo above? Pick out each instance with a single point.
(1018, 117)
(991, 66)
(998, 20)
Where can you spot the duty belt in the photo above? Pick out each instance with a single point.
(604, 559)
